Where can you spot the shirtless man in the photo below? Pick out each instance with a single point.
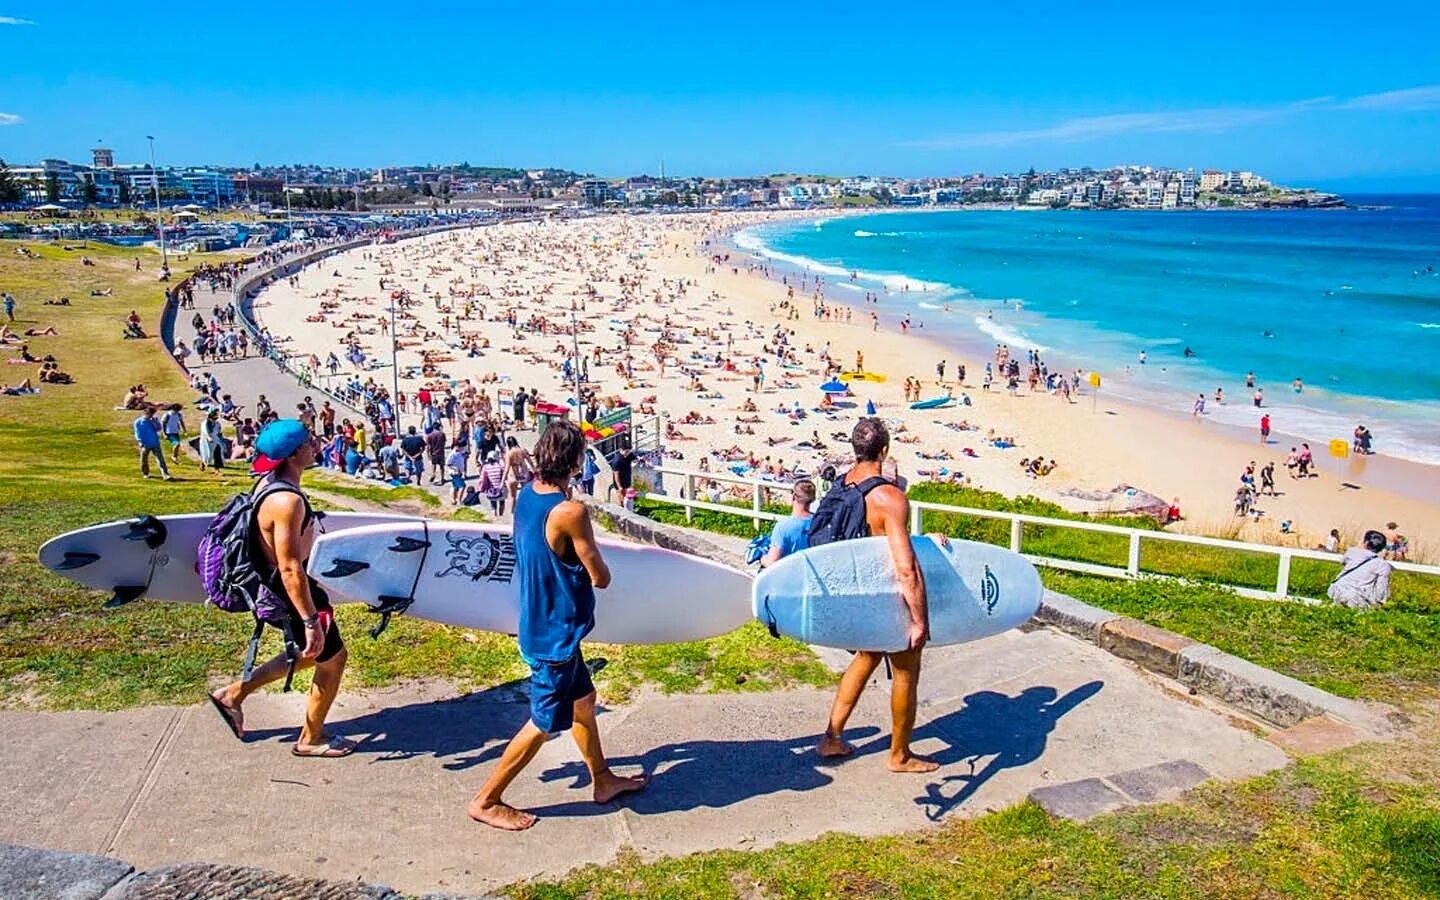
(887, 512)
(284, 525)
(558, 567)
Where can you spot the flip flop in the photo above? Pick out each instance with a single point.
(337, 747)
(230, 716)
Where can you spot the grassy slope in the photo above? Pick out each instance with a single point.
(67, 460)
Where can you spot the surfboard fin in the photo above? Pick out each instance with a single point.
(76, 560)
(148, 529)
(343, 567)
(124, 594)
(408, 544)
(389, 606)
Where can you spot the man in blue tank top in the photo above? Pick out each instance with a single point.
(558, 566)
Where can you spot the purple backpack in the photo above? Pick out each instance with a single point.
(227, 561)
(229, 569)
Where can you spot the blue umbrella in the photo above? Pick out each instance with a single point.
(834, 386)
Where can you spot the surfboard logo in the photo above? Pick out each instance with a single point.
(481, 558)
(990, 591)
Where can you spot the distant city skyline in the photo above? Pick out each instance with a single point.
(1326, 98)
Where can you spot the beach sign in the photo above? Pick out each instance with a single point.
(1094, 379)
(1340, 449)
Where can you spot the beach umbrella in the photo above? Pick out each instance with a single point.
(834, 386)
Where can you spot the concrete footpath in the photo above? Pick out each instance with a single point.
(1025, 713)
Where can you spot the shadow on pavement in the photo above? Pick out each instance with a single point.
(705, 773)
(1012, 731)
(465, 731)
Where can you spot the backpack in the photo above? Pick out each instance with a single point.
(229, 567)
(840, 515)
(759, 546)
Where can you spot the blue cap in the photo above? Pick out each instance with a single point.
(277, 441)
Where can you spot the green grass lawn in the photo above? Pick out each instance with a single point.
(67, 460)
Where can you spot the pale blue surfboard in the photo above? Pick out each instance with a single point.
(846, 594)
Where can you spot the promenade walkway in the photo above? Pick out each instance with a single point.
(1020, 714)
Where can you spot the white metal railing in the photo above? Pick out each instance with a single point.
(1135, 536)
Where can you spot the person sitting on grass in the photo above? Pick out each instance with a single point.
(1364, 579)
(50, 374)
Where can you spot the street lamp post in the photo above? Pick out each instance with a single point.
(159, 218)
(394, 368)
(575, 342)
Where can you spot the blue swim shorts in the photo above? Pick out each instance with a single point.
(554, 688)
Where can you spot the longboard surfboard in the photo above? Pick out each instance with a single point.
(463, 574)
(154, 556)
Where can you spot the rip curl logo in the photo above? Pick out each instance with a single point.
(482, 558)
(990, 591)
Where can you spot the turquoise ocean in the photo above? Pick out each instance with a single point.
(1346, 300)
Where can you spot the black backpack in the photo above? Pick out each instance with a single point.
(840, 516)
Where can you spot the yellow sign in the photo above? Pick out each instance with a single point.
(1095, 379)
(1339, 448)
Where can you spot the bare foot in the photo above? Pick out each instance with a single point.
(500, 815)
(910, 763)
(834, 748)
(608, 785)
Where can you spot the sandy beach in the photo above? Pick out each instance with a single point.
(507, 291)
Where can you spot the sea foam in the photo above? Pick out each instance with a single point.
(1004, 335)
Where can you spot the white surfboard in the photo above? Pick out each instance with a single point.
(463, 574)
(154, 556)
(846, 594)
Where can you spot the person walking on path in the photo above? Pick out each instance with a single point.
(518, 468)
(790, 533)
(285, 530)
(435, 449)
(174, 427)
(212, 442)
(558, 567)
(887, 515)
(147, 435)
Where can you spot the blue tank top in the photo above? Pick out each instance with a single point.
(557, 601)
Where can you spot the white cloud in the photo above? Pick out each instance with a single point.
(1090, 127)
(11, 20)
(1086, 128)
(10, 119)
(1409, 99)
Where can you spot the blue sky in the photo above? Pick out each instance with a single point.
(1340, 95)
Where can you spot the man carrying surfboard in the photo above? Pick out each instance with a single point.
(887, 515)
(284, 528)
(557, 567)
